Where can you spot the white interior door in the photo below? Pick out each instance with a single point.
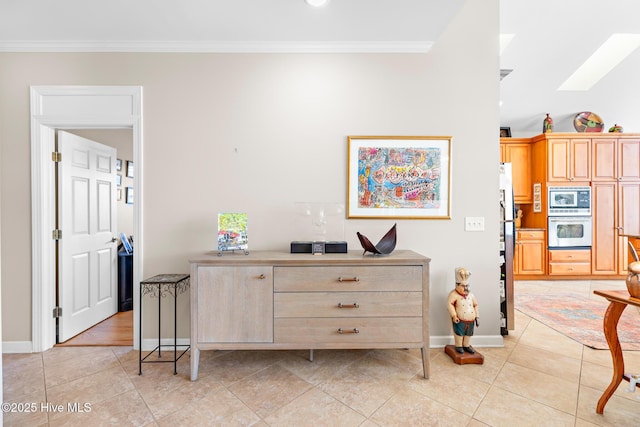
(87, 264)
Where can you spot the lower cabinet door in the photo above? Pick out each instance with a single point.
(235, 304)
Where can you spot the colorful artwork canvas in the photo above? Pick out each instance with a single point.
(232, 232)
(397, 177)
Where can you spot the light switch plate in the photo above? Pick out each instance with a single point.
(474, 223)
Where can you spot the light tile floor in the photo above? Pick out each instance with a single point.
(539, 378)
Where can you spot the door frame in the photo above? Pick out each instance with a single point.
(74, 107)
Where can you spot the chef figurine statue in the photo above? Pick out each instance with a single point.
(463, 309)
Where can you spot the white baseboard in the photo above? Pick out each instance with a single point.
(476, 341)
(17, 347)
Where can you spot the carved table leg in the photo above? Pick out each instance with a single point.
(611, 318)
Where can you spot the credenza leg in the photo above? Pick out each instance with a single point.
(425, 362)
(195, 360)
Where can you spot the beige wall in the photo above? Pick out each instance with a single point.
(258, 132)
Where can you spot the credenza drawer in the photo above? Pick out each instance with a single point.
(348, 278)
(347, 304)
(369, 330)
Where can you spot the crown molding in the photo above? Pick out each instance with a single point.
(214, 47)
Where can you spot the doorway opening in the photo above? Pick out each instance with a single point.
(115, 329)
(74, 107)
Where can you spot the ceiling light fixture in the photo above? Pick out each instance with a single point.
(604, 59)
(317, 3)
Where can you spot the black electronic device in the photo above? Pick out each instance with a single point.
(304, 247)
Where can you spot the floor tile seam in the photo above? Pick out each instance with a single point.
(377, 380)
(488, 384)
(20, 397)
(126, 376)
(263, 418)
(244, 377)
(311, 386)
(103, 368)
(616, 395)
(531, 399)
(575, 359)
(369, 418)
(103, 400)
(90, 349)
(340, 401)
(545, 348)
(156, 419)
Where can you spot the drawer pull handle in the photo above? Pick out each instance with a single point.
(348, 279)
(262, 276)
(354, 305)
(351, 331)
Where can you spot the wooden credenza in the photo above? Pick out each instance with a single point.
(276, 300)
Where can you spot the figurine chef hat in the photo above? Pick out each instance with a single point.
(462, 275)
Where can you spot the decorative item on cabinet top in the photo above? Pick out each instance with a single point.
(587, 121)
(547, 124)
(232, 233)
(385, 246)
(616, 128)
(505, 132)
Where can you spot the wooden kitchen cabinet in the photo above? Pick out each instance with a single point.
(530, 252)
(613, 203)
(564, 262)
(616, 159)
(569, 159)
(629, 208)
(280, 301)
(610, 164)
(517, 151)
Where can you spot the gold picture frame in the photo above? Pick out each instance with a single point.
(399, 177)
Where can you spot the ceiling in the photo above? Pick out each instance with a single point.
(219, 25)
(551, 39)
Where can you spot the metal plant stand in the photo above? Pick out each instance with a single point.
(158, 287)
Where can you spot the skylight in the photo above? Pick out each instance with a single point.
(604, 59)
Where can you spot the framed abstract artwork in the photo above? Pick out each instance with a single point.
(399, 177)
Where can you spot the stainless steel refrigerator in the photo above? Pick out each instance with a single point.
(507, 247)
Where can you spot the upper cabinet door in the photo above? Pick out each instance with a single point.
(629, 159)
(616, 159)
(569, 160)
(605, 153)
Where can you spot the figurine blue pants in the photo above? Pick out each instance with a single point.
(463, 328)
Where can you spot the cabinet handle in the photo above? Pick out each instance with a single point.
(348, 331)
(354, 305)
(262, 276)
(348, 279)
